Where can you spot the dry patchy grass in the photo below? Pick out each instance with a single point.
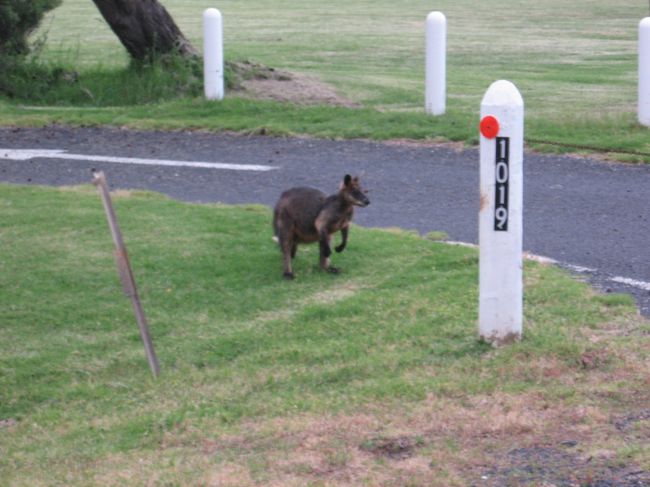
(531, 437)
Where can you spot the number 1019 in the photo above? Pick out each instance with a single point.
(502, 179)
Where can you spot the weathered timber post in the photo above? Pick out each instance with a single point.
(125, 272)
(500, 216)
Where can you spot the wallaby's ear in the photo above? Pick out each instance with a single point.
(346, 180)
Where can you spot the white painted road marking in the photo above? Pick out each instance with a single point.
(26, 154)
(575, 268)
(632, 282)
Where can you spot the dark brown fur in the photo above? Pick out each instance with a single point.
(306, 215)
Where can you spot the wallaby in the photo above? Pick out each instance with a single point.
(306, 215)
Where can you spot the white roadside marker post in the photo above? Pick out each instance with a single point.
(500, 215)
(436, 64)
(213, 54)
(644, 72)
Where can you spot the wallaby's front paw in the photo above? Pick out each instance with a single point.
(288, 276)
(340, 248)
(333, 270)
(327, 252)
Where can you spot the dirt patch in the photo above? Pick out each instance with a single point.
(262, 82)
(8, 423)
(393, 448)
(553, 466)
(635, 427)
(624, 424)
(594, 359)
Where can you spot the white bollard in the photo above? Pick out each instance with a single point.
(644, 72)
(500, 216)
(213, 54)
(436, 64)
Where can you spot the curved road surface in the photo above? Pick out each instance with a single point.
(591, 217)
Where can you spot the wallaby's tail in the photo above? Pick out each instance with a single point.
(276, 231)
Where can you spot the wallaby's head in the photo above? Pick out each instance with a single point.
(352, 192)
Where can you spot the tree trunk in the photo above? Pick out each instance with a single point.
(145, 28)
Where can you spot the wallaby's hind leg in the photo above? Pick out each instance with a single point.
(288, 250)
(286, 240)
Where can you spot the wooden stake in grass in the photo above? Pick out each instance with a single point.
(124, 269)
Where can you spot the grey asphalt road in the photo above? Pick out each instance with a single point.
(590, 216)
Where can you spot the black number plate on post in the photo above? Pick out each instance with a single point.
(501, 190)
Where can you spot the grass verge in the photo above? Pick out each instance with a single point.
(609, 135)
(374, 376)
(577, 71)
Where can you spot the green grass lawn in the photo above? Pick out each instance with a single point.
(574, 63)
(371, 377)
(269, 382)
(562, 56)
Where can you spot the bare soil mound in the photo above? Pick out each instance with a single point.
(263, 82)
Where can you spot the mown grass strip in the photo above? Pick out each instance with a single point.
(238, 344)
